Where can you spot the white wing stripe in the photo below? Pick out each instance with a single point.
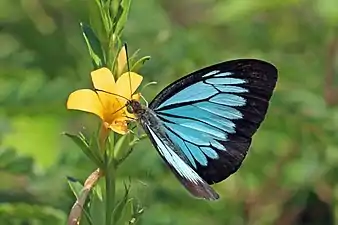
(174, 160)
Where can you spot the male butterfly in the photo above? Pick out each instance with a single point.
(203, 123)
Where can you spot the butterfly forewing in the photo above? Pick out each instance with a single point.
(211, 114)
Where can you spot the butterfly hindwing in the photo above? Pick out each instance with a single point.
(185, 174)
(210, 115)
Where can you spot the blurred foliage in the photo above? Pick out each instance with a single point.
(289, 176)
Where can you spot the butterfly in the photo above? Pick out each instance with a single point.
(202, 124)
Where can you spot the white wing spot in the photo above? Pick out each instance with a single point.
(210, 73)
(224, 74)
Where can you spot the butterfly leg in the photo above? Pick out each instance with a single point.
(138, 133)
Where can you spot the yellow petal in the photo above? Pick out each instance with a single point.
(119, 125)
(111, 106)
(130, 115)
(85, 100)
(125, 82)
(103, 79)
(121, 60)
(137, 97)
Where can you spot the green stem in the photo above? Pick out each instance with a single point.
(110, 186)
(108, 219)
(110, 195)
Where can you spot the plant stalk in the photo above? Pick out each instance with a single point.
(76, 211)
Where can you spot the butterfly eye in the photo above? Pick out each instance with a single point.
(130, 109)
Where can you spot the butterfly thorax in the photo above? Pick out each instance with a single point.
(144, 115)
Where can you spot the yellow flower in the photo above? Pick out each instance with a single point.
(103, 103)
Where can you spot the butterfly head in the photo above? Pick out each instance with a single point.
(135, 107)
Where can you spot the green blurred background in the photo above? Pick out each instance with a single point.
(290, 174)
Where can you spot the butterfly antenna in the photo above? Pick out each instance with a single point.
(107, 92)
(118, 110)
(131, 118)
(128, 67)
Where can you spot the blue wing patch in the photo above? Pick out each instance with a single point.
(186, 175)
(196, 92)
(211, 114)
(228, 100)
(197, 114)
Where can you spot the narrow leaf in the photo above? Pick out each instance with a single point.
(75, 186)
(95, 18)
(121, 146)
(139, 63)
(127, 213)
(84, 146)
(94, 46)
(97, 205)
(121, 16)
(119, 207)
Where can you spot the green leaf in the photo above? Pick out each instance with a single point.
(139, 63)
(119, 210)
(94, 46)
(124, 150)
(97, 206)
(114, 5)
(75, 186)
(106, 17)
(95, 146)
(121, 16)
(81, 142)
(121, 146)
(127, 213)
(147, 85)
(95, 18)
